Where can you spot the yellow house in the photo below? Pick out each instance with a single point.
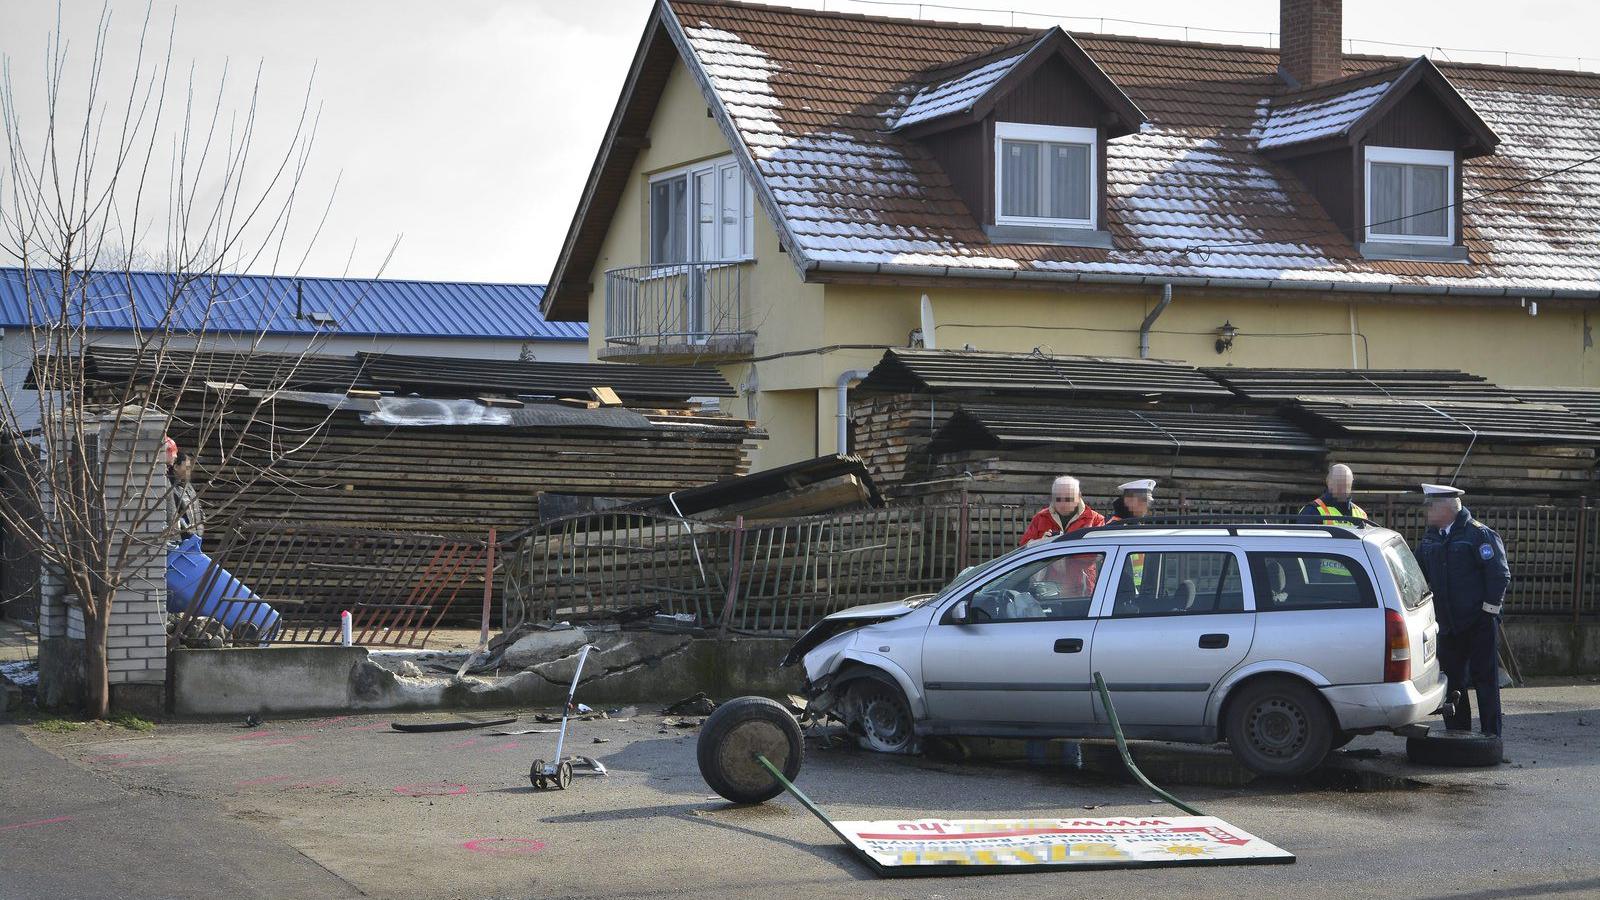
(785, 193)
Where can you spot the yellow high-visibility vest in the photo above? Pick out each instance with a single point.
(1335, 517)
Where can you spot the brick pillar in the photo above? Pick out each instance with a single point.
(1309, 36)
(136, 503)
(136, 641)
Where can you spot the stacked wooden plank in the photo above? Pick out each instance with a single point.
(1489, 471)
(301, 461)
(891, 433)
(1023, 477)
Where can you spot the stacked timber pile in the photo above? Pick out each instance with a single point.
(1509, 450)
(420, 445)
(1400, 427)
(361, 469)
(912, 394)
(1007, 454)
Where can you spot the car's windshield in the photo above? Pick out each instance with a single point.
(970, 572)
(1407, 574)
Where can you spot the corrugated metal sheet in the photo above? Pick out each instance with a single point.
(282, 304)
(959, 371)
(1455, 421)
(975, 426)
(1285, 384)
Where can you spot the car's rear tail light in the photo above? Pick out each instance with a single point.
(1397, 649)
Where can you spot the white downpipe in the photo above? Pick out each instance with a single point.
(1355, 358)
(842, 442)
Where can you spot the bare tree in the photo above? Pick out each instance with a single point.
(80, 210)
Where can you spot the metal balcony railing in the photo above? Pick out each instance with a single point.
(676, 306)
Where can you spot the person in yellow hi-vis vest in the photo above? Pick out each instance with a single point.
(1336, 506)
(1134, 504)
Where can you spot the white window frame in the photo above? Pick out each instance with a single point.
(747, 250)
(1405, 156)
(1056, 134)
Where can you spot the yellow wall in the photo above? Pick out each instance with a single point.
(797, 402)
(784, 312)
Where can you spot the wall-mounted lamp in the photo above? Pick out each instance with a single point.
(1225, 335)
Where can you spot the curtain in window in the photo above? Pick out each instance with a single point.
(1069, 181)
(1020, 179)
(731, 216)
(1388, 199)
(669, 201)
(1426, 199)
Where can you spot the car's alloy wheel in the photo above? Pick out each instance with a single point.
(882, 716)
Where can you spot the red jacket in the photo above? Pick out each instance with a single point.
(1076, 576)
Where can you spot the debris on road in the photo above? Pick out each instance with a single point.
(697, 705)
(462, 724)
(675, 722)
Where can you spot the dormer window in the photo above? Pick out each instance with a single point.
(1409, 195)
(1045, 175)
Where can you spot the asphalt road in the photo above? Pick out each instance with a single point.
(346, 807)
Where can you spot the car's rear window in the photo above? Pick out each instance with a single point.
(1407, 574)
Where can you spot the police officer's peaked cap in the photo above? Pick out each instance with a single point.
(1146, 486)
(1440, 492)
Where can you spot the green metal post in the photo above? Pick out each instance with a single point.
(1127, 758)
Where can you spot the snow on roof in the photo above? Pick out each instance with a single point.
(1189, 195)
(956, 94)
(1297, 123)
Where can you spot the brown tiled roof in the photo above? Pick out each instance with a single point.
(810, 98)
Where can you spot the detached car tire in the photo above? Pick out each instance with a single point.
(1279, 727)
(1455, 748)
(733, 735)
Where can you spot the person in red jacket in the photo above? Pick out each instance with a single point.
(1067, 512)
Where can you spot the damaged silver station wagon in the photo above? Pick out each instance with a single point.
(1284, 640)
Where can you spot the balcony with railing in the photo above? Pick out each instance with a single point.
(677, 312)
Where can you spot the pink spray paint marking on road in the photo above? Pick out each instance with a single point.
(501, 846)
(326, 722)
(252, 735)
(36, 823)
(462, 745)
(431, 789)
(321, 782)
(286, 741)
(107, 757)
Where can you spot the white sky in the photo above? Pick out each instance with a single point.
(467, 128)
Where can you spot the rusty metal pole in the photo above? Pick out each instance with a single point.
(1580, 561)
(734, 565)
(488, 590)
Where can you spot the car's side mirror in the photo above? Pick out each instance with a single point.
(958, 613)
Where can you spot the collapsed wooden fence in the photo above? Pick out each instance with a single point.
(780, 577)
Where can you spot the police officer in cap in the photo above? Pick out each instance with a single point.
(1465, 564)
(1135, 500)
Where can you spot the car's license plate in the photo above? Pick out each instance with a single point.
(1428, 649)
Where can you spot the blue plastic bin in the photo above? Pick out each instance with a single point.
(224, 598)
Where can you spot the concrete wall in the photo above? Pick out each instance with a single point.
(637, 667)
(1555, 647)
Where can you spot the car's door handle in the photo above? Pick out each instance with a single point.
(1069, 645)
(1213, 641)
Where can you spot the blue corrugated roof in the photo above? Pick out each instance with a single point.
(268, 303)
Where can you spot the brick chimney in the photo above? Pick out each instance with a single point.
(1309, 36)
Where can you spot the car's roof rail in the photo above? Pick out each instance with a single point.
(1345, 527)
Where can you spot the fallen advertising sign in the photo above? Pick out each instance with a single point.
(940, 847)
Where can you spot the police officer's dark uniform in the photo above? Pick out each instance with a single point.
(1465, 564)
